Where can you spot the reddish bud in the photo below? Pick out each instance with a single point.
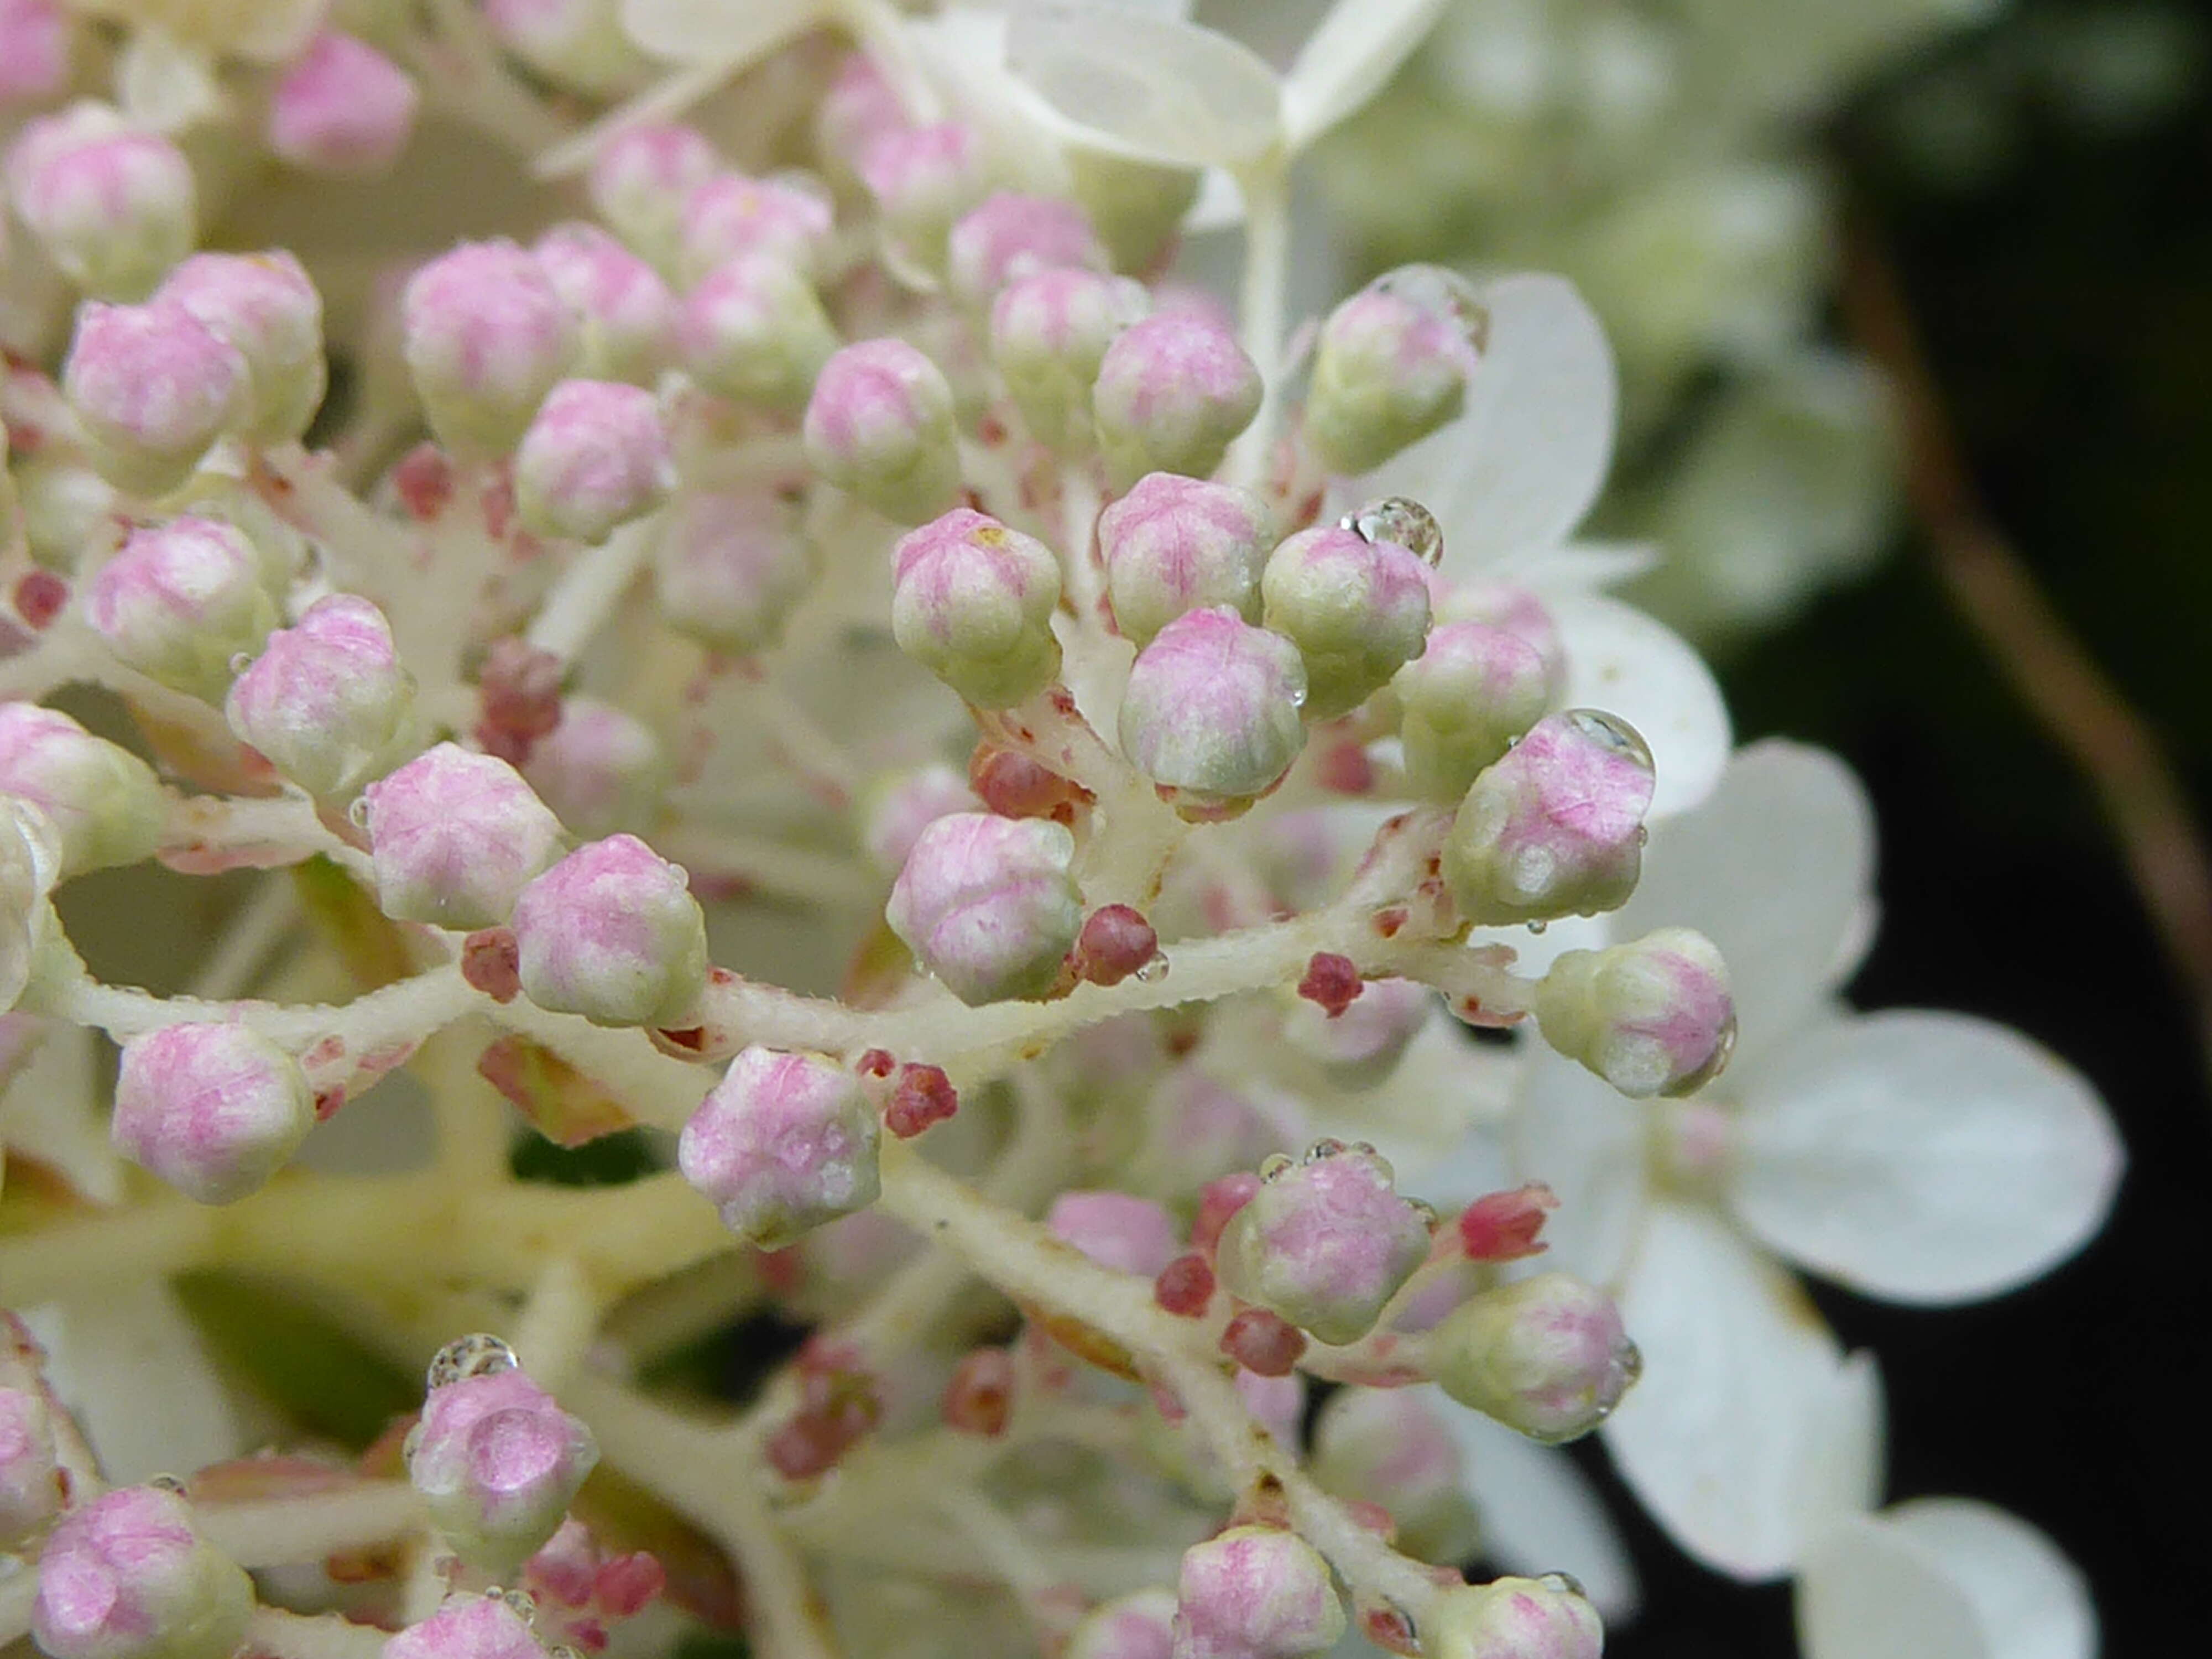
(1218, 1200)
(1015, 786)
(1116, 941)
(39, 596)
(1185, 1286)
(924, 1096)
(490, 962)
(1503, 1226)
(1263, 1342)
(980, 1396)
(1332, 981)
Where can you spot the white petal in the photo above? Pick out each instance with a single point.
(1623, 661)
(1574, 1134)
(1773, 868)
(1840, 1470)
(1540, 1513)
(1345, 60)
(132, 1370)
(2031, 1601)
(1587, 564)
(1924, 1157)
(1738, 1374)
(1444, 1091)
(1866, 1592)
(1164, 89)
(694, 31)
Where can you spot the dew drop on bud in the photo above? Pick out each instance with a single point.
(1723, 1048)
(357, 812)
(241, 661)
(1563, 1583)
(470, 1356)
(519, 1603)
(1536, 926)
(1274, 1164)
(1155, 969)
(1405, 523)
(1613, 732)
(168, 1483)
(1445, 292)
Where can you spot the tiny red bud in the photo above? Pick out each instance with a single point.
(981, 1395)
(1116, 941)
(877, 1062)
(1185, 1286)
(491, 962)
(924, 1096)
(423, 480)
(39, 596)
(1332, 981)
(1015, 786)
(520, 688)
(1503, 1226)
(1263, 1343)
(1218, 1200)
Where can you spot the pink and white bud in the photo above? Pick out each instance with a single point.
(1361, 1045)
(104, 802)
(1175, 545)
(753, 330)
(1391, 366)
(1140, 1625)
(112, 206)
(1357, 609)
(730, 568)
(1470, 695)
(901, 810)
(879, 426)
(213, 1109)
(1556, 827)
(596, 456)
(1172, 393)
(497, 1461)
(601, 769)
(485, 337)
(580, 45)
(1392, 1447)
(625, 314)
(127, 1577)
(266, 309)
(1653, 1016)
(34, 50)
(640, 180)
(1546, 1356)
(784, 1143)
(468, 1627)
(152, 387)
(181, 601)
(1325, 1242)
(859, 111)
(1120, 1230)
(730, 216)
(988, 905)
(1255, 1593)
(1006, 237)
(1514, 1619)
(327, 701)
(612, 932)
(923, 180)
(1212, 712)
(973, 602)
(1049, 333)
(342, 107)
(67, 509)
(32, 1486)
(454, 837)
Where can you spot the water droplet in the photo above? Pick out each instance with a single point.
(1537, 926)
(168, 1483)
(1155, 970)
(239, 662)
(479, 1355)
(1325, 1147)
(1426, 1211)
(519, 1603)
(1274, 1164)
(1447, 293)
(1395, 518)
(1611, 732)
(1563, 1583)
(1716, 1063)
(357, 812)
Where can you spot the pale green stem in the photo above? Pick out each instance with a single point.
(283, 1531)
(1262, 304)
(557, 1324)
(590, 587)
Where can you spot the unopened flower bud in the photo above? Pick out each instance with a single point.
(641, 178)
(265, 308)
(1049, 333)
(730, 216)
(497, 1461)
(988, 905)
(879, 427)
(1172, 393)
(215, 1110)
(754, 330)
(468, 1627)
(730, 568)
(973, 603)
(596, 456)
(1390, 1446)
(152, 388)
(1325, 1242)
(181, 601)
(1211, 713)
(1255, 1593)
(454, 837)
(580, 45)
(68, 508)
(342, 106)
(1175, 545)
(858, 110)
(625, 314)
(1545, 1355)
(112, 206)
(900, 811)
(1361, 1045)
(1472, 691)
(485, 338)
(1391, 366)
(103, 801)
(1653, 1016)
(35, 49)
(1140, 1625)
(923, 179)
(1006, 237)
(1120, 1230)
(612, 932)
(1555, 828)
(1116, 941)
(32, 1484)
(327, 701)
(784, 1143)
(128, 1578)
(1514, 1619)
(1357, 609)
(600, 770)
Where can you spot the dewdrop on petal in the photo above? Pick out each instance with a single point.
(1543, 1617)
(1546, 1356)
(973, 602)
(1172, 394)
(730, 567)
(1357, 609)
(181, 602)
(113, 205)
(341, 107)
(468, 1627)
(128, 1576)
(1175, 545)
(152, 387)
(1392, 1447)
(485, 337)
(754, 330)
(596, 456)
(1391, 366)
(1325, 1242)
(784, 1143)
(266, 308)
(988, 905)
(625, 314)
(32, 1487)
(327, 701)
(1049, 331)
(612, 932)
(1652, 1016)
(1007, 236)
(213, 1109)
(1464, 702)
(879, 427)
(104, 802)
(497, 1461)
(454, 837)
(1212, 712)
(1255, 1593)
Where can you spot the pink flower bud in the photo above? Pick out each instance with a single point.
(1262, 1342)
(1361, 1046)
(1255, 1593)
(906, 807)
(1653, 1016)
(973, 602)
(327, 700)
(454, 838)
(1128, 1234)
(1391, 1446)
(152, 387)
(31, 1485)
(181, 601)
(923, 179)
(640, 180)
(112, 206)
(1173, 392)
(860, 109)
(612, 932)
(754, 331)
(625, 315)
(600, 770)
(879, 426)
(1465, 700)
(1007, 237)
(988, 905)
(127, 1578)
(1175, 545)
(1357, 609)
(730, 568)
(1140, 1625)
(596, 456)
(1556, 828)
(215, 1110)
(104, 802)
(468, 1627)
(1545, 1355)
(784, 1143)
(342, 106)
(580, 45)
(1211, 713)
(497, 1461)
(1391, 366)
(35, 49)
(1049, 333)
(1514, 1619)
(485, 338)
(730, 216)
(980, 1398)
(1325, 1242)
(1116, 941)
(265, 307)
